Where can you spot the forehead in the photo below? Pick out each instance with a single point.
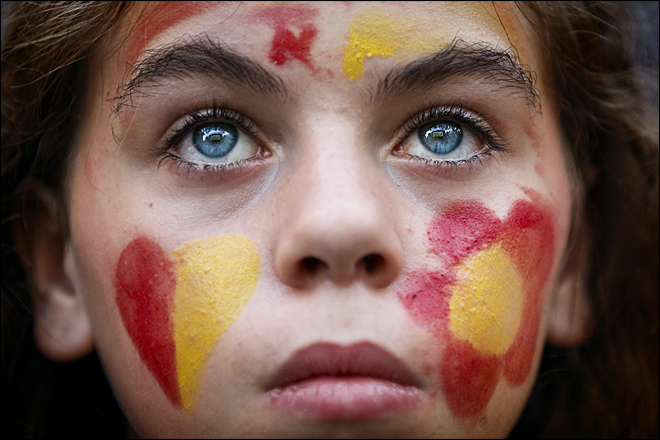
(327, 30)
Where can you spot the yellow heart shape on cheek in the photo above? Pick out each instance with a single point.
(215, 279)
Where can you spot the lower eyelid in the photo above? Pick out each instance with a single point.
(211, 173)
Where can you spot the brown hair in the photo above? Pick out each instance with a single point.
(607, 387)
(46, 50)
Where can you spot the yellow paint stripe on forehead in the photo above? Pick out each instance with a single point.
(377, 33)
(215, 279)
(486, 304)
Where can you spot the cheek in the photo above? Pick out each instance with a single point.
(175, 307)
(145, 286)
(486, 302)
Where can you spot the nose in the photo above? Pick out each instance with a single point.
(339, 228)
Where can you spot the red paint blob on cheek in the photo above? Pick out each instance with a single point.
(462, 229)
(284, 19)
(529, 240)
(426, 297)
(469, 377)
(146, 283)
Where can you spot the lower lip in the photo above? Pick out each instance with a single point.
(346, 397)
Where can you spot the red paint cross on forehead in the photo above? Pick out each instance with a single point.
(485, 301)
(294, 32)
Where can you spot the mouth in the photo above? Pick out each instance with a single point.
(329, 381)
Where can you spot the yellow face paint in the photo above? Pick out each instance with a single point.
(376, 33)
(215, 278)
(486, 304)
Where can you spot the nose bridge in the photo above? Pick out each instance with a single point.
(343, 189)
(339, 227)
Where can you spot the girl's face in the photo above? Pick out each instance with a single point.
(324, 219)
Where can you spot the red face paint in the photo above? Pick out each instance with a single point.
(161, 17)
(284, 19)
(146, 282)
(468, 377)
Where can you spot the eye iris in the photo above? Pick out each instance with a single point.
(441, 137)
(215, 139)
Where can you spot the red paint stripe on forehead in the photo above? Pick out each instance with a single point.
(161, 17)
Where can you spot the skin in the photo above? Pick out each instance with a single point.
(331, 186)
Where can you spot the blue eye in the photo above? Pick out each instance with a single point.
(215, 139)
(441, 137)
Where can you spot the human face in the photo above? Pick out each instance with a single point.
(327, 219)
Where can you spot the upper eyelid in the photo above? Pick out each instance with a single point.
(457, 113)
(188, 123)
(494, 141)
(452, 112)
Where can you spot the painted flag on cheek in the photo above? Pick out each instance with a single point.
(175, 307)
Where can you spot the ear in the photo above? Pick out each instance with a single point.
(571, 311)
(62, 330)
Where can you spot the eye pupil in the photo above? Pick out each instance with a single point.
(441, 137)
(215, 139)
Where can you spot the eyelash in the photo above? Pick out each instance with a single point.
(217, 112)
(492, 141)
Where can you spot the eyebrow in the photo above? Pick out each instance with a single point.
(198, 55)
(201, 55)
(478, 60)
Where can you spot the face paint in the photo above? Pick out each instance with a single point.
(215, 279)
(146, 283)
(376, 33)
(161, 17)
(176, 307)
(286, 45)
(486, 304)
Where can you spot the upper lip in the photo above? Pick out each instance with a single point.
(358, 360)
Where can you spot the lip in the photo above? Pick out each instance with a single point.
(329, 381)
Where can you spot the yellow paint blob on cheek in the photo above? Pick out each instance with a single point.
(215, 279)
(486, 304)
(376, 33)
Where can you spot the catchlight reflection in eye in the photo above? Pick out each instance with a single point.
(215, 139)
(441, 137)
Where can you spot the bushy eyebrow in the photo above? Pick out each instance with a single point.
(198, 55)
(203, 56)
(478, 60)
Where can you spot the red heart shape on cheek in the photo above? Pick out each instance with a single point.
(146, 284)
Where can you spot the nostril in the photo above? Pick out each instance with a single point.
(373, 263)
(310, 265)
